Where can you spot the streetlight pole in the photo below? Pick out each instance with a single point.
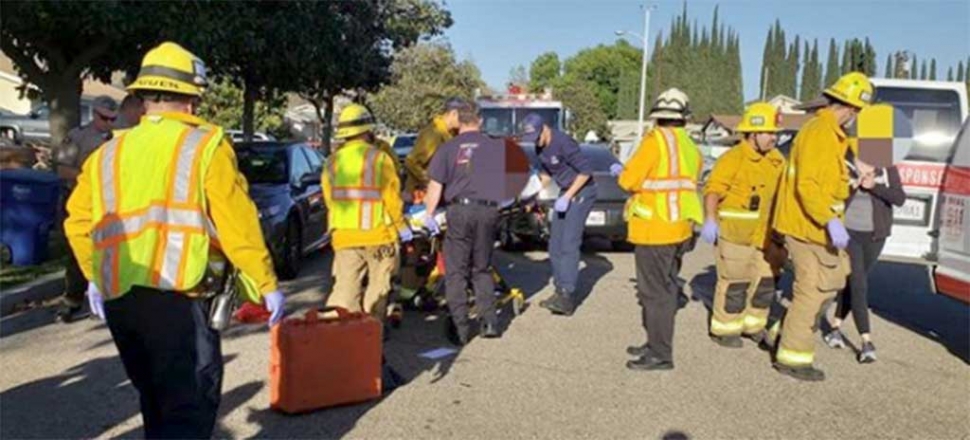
(625, 153)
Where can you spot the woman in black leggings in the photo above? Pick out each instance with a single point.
(868, 217)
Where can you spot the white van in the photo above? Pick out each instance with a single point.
(936, 111)
(952, 273)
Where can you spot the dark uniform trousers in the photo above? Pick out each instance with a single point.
(566, 239)
(658, 267)
(173, 359)
(469, 242)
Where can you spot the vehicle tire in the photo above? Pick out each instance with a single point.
(292, 257)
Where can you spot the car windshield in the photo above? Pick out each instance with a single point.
(263, 165)
(935, 116)
(403, 144)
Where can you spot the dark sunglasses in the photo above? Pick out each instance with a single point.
(107, 118)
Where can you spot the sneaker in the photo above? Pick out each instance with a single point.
(868, 353)
(730, 341)
(834, 339)
(558, 304)
(807, 374)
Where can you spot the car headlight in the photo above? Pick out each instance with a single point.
(271, 211)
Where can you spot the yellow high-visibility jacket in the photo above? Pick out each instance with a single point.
(815, 185)
(363, 196)
(662, 176)
(739, 174)
(149, 204)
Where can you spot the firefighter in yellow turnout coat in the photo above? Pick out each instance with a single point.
(363, 196)
(809, 213)
(739, 198)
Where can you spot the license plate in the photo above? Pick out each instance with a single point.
(596, 218)
(913, 212)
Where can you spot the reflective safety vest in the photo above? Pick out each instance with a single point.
(148, 207)
(670, 192)
(355, 175)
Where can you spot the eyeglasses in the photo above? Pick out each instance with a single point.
(107, 118)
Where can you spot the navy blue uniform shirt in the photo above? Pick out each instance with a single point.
(563, 160)
(464, 162)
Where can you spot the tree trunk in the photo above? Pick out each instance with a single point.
(249, 105)
(64, 100)
(327, 123)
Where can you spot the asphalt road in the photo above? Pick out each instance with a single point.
(547, 377)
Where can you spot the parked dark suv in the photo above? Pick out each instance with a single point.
(284, 181)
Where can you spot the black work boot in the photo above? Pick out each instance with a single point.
(729, 341)
(457, 335)
(758, 337)
(807, 373)
(638, 350)
(649, 362)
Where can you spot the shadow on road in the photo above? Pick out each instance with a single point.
(902, 294)
(84, 401)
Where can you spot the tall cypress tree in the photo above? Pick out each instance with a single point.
(922, 70)
(791, 77)
(869, 59)
(960, 71)
(889, 67)
(832, 68)
(766, 62)
(914, 68)
(949, 73)
(933, 70)
(846, 58)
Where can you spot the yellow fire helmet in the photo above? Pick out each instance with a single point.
(354, 119)
(760, 117)
(853, 88)
(171, 68)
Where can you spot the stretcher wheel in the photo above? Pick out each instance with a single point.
(518, 302)
(417, 301)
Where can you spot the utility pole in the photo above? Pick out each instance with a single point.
(627, 151)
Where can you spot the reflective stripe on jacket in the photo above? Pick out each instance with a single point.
(150, 227)
(662, 175)
(740, 175)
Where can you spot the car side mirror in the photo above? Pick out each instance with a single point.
(309, 179)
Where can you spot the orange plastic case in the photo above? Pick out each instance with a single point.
(317, 363)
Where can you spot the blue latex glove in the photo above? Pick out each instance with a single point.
(709, 231)
(562, 204)
(432, 225)
(838, 234)
(274, 303)
(616, 169)
(406, 235)
(95, 301)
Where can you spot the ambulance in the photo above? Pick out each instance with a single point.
(952, 273)
(935, 110)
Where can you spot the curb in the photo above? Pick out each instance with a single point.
(43, 288)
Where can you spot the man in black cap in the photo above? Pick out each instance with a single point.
(459, 173)
(563, 161)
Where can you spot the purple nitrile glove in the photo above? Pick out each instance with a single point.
(838, 234)
(616, 169)
(431, 225)
(709, 231)
(562, 204)
(406, 235)
(274, 303)
(95, 301)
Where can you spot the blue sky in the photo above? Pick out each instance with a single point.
(501, 34)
